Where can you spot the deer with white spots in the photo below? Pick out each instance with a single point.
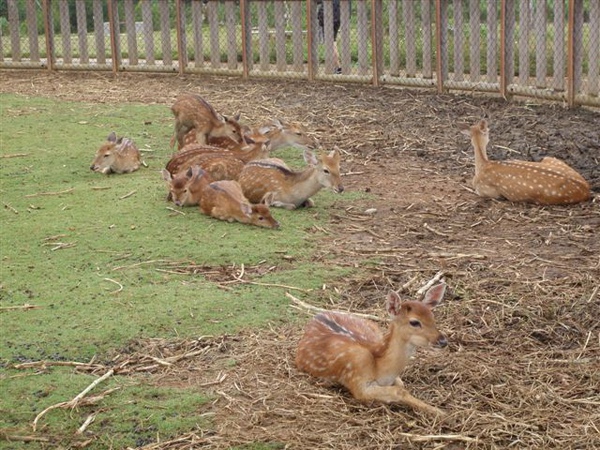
(548, 182)
(289, 189)
(196, 120)
(117, 155)
(357, 354)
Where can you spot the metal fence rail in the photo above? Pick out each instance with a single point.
(538, 48)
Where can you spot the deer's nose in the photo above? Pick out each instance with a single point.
(441, 341)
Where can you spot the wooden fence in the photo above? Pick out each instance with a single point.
(546, 49)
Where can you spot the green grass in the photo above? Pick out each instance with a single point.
(70, 235)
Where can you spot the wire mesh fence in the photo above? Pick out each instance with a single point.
(539, 48)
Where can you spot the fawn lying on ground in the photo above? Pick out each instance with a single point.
(289, 189)
(222, 200)
(356, 353)
(196, 120)
(117, 156)
(548, 182)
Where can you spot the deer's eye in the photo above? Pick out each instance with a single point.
(326, 171)
(107, 155)
(414, 323)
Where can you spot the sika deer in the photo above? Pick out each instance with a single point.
(224, 200)
(186, 188)
(117, 156)
(289, 189)
(356, 353)
(282, 134)
(195, 116)
(548, 182)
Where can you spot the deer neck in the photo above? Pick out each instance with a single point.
(306, 183)
(396, 353)
(480, 148)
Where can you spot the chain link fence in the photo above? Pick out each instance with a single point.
(540, 48)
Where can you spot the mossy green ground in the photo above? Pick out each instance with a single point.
(70, 238)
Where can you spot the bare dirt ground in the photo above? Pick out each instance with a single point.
(523, 365)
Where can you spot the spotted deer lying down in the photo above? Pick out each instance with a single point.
(548, 182)
(287, 188)
(117, 156)
(356, 353)
(222, 200)
(196, 120)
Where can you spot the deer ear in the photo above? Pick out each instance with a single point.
(246, 209)
(278, 123)
(112, 137)
(483, 125)
(237, 117)
(166, 175)
(268, 198)
(434, 295)
(310, 158)
(393, 304)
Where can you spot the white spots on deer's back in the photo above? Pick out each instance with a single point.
(547, 182)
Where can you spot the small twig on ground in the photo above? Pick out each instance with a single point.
(7, 206)
(176, 210)
(438, 437)
(66, 191)
(256, 283)
(25, 306)
(117, 283)
(127, 195)
(437, 277)
(15, 155)
(16, 438)
(85, 424)
(75, 401)
(32, 364)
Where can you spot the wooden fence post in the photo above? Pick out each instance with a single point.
(49, 34)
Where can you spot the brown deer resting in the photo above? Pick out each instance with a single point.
(116, 156)
(289, 189)
(196, 120)
(356, 353)
(192, 154)
(548, 182)
(222, 200)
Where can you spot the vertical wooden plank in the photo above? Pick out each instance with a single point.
(362, 25)
(280, 39)
(577, 48)
(442, 43)
(34, 47)
(65, 31)
(509, 38)
(594, 50)
(524, 42)
(165, 32)
(47, 15)
(82, 32)
(459, 44)
(377, 40)
(492, 41)
(197, 24)
(558, 78)
(411, 38)
(13, 25)
(540, 43)
(475, 40)
(115, 41)
(427, 47)
(394, 33)
(100, 38)
(182, 55)
(130, 32)
(246, 19)
(231, 25)
(344, 40)
(297, 37)
(263, 36)
(148, 32)
(571, 56)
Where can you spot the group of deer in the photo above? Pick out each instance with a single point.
(227, 170)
